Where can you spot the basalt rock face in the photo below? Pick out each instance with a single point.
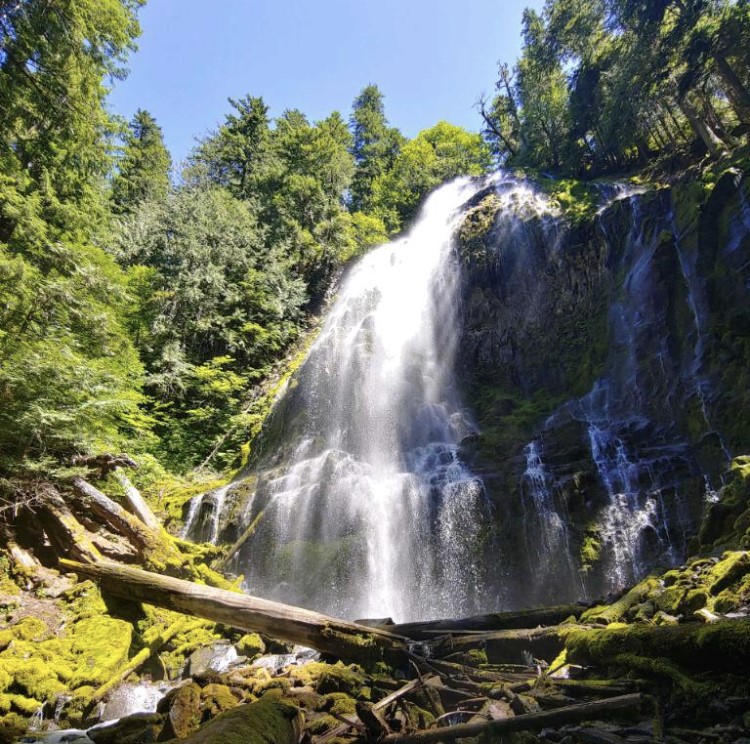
(606, 364)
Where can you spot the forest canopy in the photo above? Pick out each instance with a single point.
(143, 304)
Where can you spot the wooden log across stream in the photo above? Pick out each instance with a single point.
(284, 622)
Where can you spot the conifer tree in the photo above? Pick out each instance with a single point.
(143, 172)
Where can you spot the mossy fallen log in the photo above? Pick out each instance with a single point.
(519, 620)
(116, 517)
(719, 647)
(137, 503)
(612, 613)
(284, 622)
(67, 534)
(508, 646)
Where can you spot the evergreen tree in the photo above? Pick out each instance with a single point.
(143, 171)
(375, 145)
(69, 375)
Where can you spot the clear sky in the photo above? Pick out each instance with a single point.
(431, 59)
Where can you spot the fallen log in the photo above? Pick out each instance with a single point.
(423, 631)
(114, 516)
(525, 722)
(508, 646)
(284, 622)
(612, 613)
(68, 535)
(137, 503)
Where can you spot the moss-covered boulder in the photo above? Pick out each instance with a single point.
(182, 710)
(250, 645)
(270, 720)
(139, 728)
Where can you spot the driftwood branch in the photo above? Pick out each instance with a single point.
(526, 722)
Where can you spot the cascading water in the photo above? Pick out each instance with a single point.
(373, 512)
(373, 493)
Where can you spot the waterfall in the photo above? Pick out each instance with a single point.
(372, 492)
(372, 510)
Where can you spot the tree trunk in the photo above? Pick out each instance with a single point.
(733, 87)
(714, 144)
(292, 624)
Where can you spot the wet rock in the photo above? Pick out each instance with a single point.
(215, 658)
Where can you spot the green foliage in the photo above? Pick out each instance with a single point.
(375, 145)
(601, 86)
(217, 305)
(69, 375)
(436, 155)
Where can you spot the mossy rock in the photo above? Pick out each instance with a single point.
(270, 720)
(183, 712)
(102, 645)
(728, 571)
(216, 699)
(325, 678)
(12, 727)
(250, 645)
(339, 703)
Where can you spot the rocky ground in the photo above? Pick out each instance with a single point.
(666, 660)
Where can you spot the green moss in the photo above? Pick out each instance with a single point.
(578, 200)
(216, 699)
(591, 547)
(475, 226)
(102, 645)
(12, 727)
(31, 629)
(24, 705)
(326, 678)
(728, 571)
(721, 647)
(251, 645)
(339, 703)
(269, 720)
(322, 724)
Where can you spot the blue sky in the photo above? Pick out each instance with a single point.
(431, 59)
